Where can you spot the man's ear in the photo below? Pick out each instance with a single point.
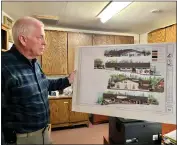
(22, 40)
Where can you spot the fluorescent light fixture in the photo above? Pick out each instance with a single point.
(112, 9)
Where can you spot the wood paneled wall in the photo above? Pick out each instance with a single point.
(54, 59)
(170, 34)
(103, 39)
(167, 34)
(75, 40)
(58, 58)
(124, 40)
(156, 36)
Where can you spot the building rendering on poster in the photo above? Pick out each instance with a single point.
(133, 81)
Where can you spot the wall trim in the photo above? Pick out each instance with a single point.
(89, 31)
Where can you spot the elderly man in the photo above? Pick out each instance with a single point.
(25, 106)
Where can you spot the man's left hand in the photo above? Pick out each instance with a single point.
(71, 77)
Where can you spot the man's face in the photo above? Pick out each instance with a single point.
(35, 43)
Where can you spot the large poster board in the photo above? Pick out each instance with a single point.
(134, 81)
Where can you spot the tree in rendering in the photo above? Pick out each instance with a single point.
(100, 100)
(98, 63)
(152, 100)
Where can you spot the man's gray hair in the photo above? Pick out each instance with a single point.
(23, 26)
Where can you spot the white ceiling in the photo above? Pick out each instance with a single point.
(136, 18)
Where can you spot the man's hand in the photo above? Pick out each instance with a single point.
(71, 77)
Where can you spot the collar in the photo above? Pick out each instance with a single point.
(21, 56)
